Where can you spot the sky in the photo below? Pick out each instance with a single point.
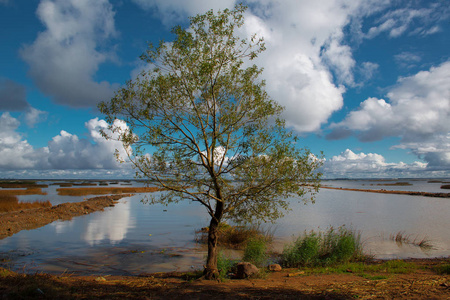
(365, 81)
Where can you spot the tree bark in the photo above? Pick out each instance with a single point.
(211, 271)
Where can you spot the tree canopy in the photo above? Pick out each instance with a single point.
(202, 126)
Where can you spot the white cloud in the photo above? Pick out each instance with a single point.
(407, 59)
(65, 151)
(361, 165)
(397, 22)
(68, 151)
(15, 152)
(66, 55)
(33, 116)
(418, 112)
(304, 42)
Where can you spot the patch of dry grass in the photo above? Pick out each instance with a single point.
(104, 190)
(28, 191)
(235, 237)
(11, 203)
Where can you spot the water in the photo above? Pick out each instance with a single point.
(134, 238)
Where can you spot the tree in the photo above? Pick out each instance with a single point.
(215, 135)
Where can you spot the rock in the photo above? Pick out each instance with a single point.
(275, 268)
(245, 270)
(100, 278)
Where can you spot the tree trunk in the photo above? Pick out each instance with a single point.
(211, 271)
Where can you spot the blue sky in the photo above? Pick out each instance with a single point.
(365, 81)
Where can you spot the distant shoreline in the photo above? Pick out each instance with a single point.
(382, 191)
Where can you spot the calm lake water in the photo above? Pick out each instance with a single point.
(133, 238)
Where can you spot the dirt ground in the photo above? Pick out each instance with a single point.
(423, 283)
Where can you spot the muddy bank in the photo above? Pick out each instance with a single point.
(13, 222)
(411, 193)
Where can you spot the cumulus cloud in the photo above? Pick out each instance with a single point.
(68, 151)
(304, 49)
(65, 151)
(418, 111)
(15, 152)
(361, 165)
(13, 96)
(66, 55)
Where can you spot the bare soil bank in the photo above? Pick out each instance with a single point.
(422, 284)
(411, 193)
(13, 222)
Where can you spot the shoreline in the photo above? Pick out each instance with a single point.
(420, 282)
(27, 219)
(382, 191)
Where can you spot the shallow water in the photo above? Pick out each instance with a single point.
(132, 238)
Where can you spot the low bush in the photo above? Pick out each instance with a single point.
(235, 237)
(255, 251)
(323, 248)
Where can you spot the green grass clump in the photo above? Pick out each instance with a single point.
(443, 269)
(225, 265)
(371, 270)
(255, 251)
(323, 248)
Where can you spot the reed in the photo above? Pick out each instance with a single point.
(104, 190)
(15, 184)
(402, 238)
(11, 203)
(28, 191)
(324, 248)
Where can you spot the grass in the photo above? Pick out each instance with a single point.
(103, 190)
(402, 238)
(235, 237)
(371, 271)
(255, 251)
(443, 269)
(445, 186)
(225, 265)
(11, 203)
(28, 191)
(323, 248)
